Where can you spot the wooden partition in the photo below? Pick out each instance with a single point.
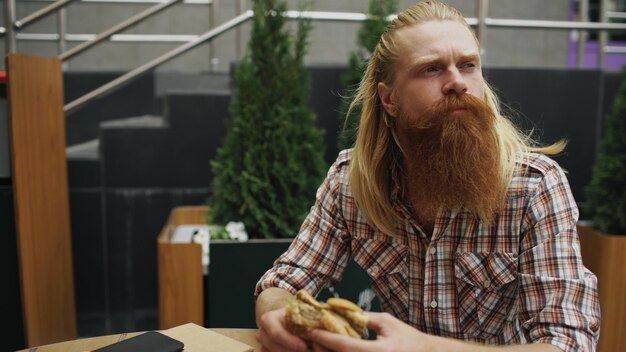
(605, 256)
(39, 173)
(181, 290)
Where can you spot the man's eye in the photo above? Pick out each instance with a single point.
(469, 65)
(431, 69)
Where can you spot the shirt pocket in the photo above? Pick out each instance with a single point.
(487, 292)
(386, 265)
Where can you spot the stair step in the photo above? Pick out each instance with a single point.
(83, 151)
(168, 82)
(83, 164)
(145, 121)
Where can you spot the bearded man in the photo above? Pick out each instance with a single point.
(465, 227)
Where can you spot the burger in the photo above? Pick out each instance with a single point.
(338, 315)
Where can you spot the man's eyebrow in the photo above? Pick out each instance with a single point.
(470, 57)
(433, 59)
(425, 60)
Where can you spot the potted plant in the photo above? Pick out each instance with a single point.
(272, 158)
(603, 233)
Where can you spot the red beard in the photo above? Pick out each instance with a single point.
(452, 159)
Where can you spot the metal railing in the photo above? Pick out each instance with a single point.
(482, 22)
(158, 61)
(117, 28)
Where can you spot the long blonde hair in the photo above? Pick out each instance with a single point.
(377, 150)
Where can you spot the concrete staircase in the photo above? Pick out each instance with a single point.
(159, 148)
(124, 178)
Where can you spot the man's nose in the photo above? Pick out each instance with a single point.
(455, 83)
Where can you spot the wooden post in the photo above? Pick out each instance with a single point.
(603, 254)
(39, 174)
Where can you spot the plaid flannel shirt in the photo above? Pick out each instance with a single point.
(518, 280)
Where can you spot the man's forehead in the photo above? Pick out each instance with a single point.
(435, 37)
(435, 31)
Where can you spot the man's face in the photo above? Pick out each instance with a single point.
(435, 59)
(445, 129)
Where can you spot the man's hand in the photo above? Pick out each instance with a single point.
(392, 335)
(270, 319)
(273, 336)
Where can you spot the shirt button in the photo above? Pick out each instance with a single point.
(433, 250)
(433, 304)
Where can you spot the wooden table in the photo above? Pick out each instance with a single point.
(84, 344)
(91, 343)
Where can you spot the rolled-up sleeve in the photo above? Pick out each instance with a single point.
(559, 301)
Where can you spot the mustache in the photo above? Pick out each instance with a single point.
(442, 111)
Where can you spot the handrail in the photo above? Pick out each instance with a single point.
(62, 29)
(9, 17)
(603, 36)
(546, 24)
(117, 28)
(339, 17)
(197, 2)
(616, 14)
(59, 4)
(326, 16)
(19, 24)
(615, 49)
(125, 38)
(582, 35)
(134, 2)
(106, 88)
(483, 7)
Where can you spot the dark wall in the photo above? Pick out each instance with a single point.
(13, 335)
(610, 88)
(325, 99)
(560, 104)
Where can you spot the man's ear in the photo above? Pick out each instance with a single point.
(387, 99)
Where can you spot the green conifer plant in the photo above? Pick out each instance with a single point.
(367, 38)
(606, 192)
(272, 158)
